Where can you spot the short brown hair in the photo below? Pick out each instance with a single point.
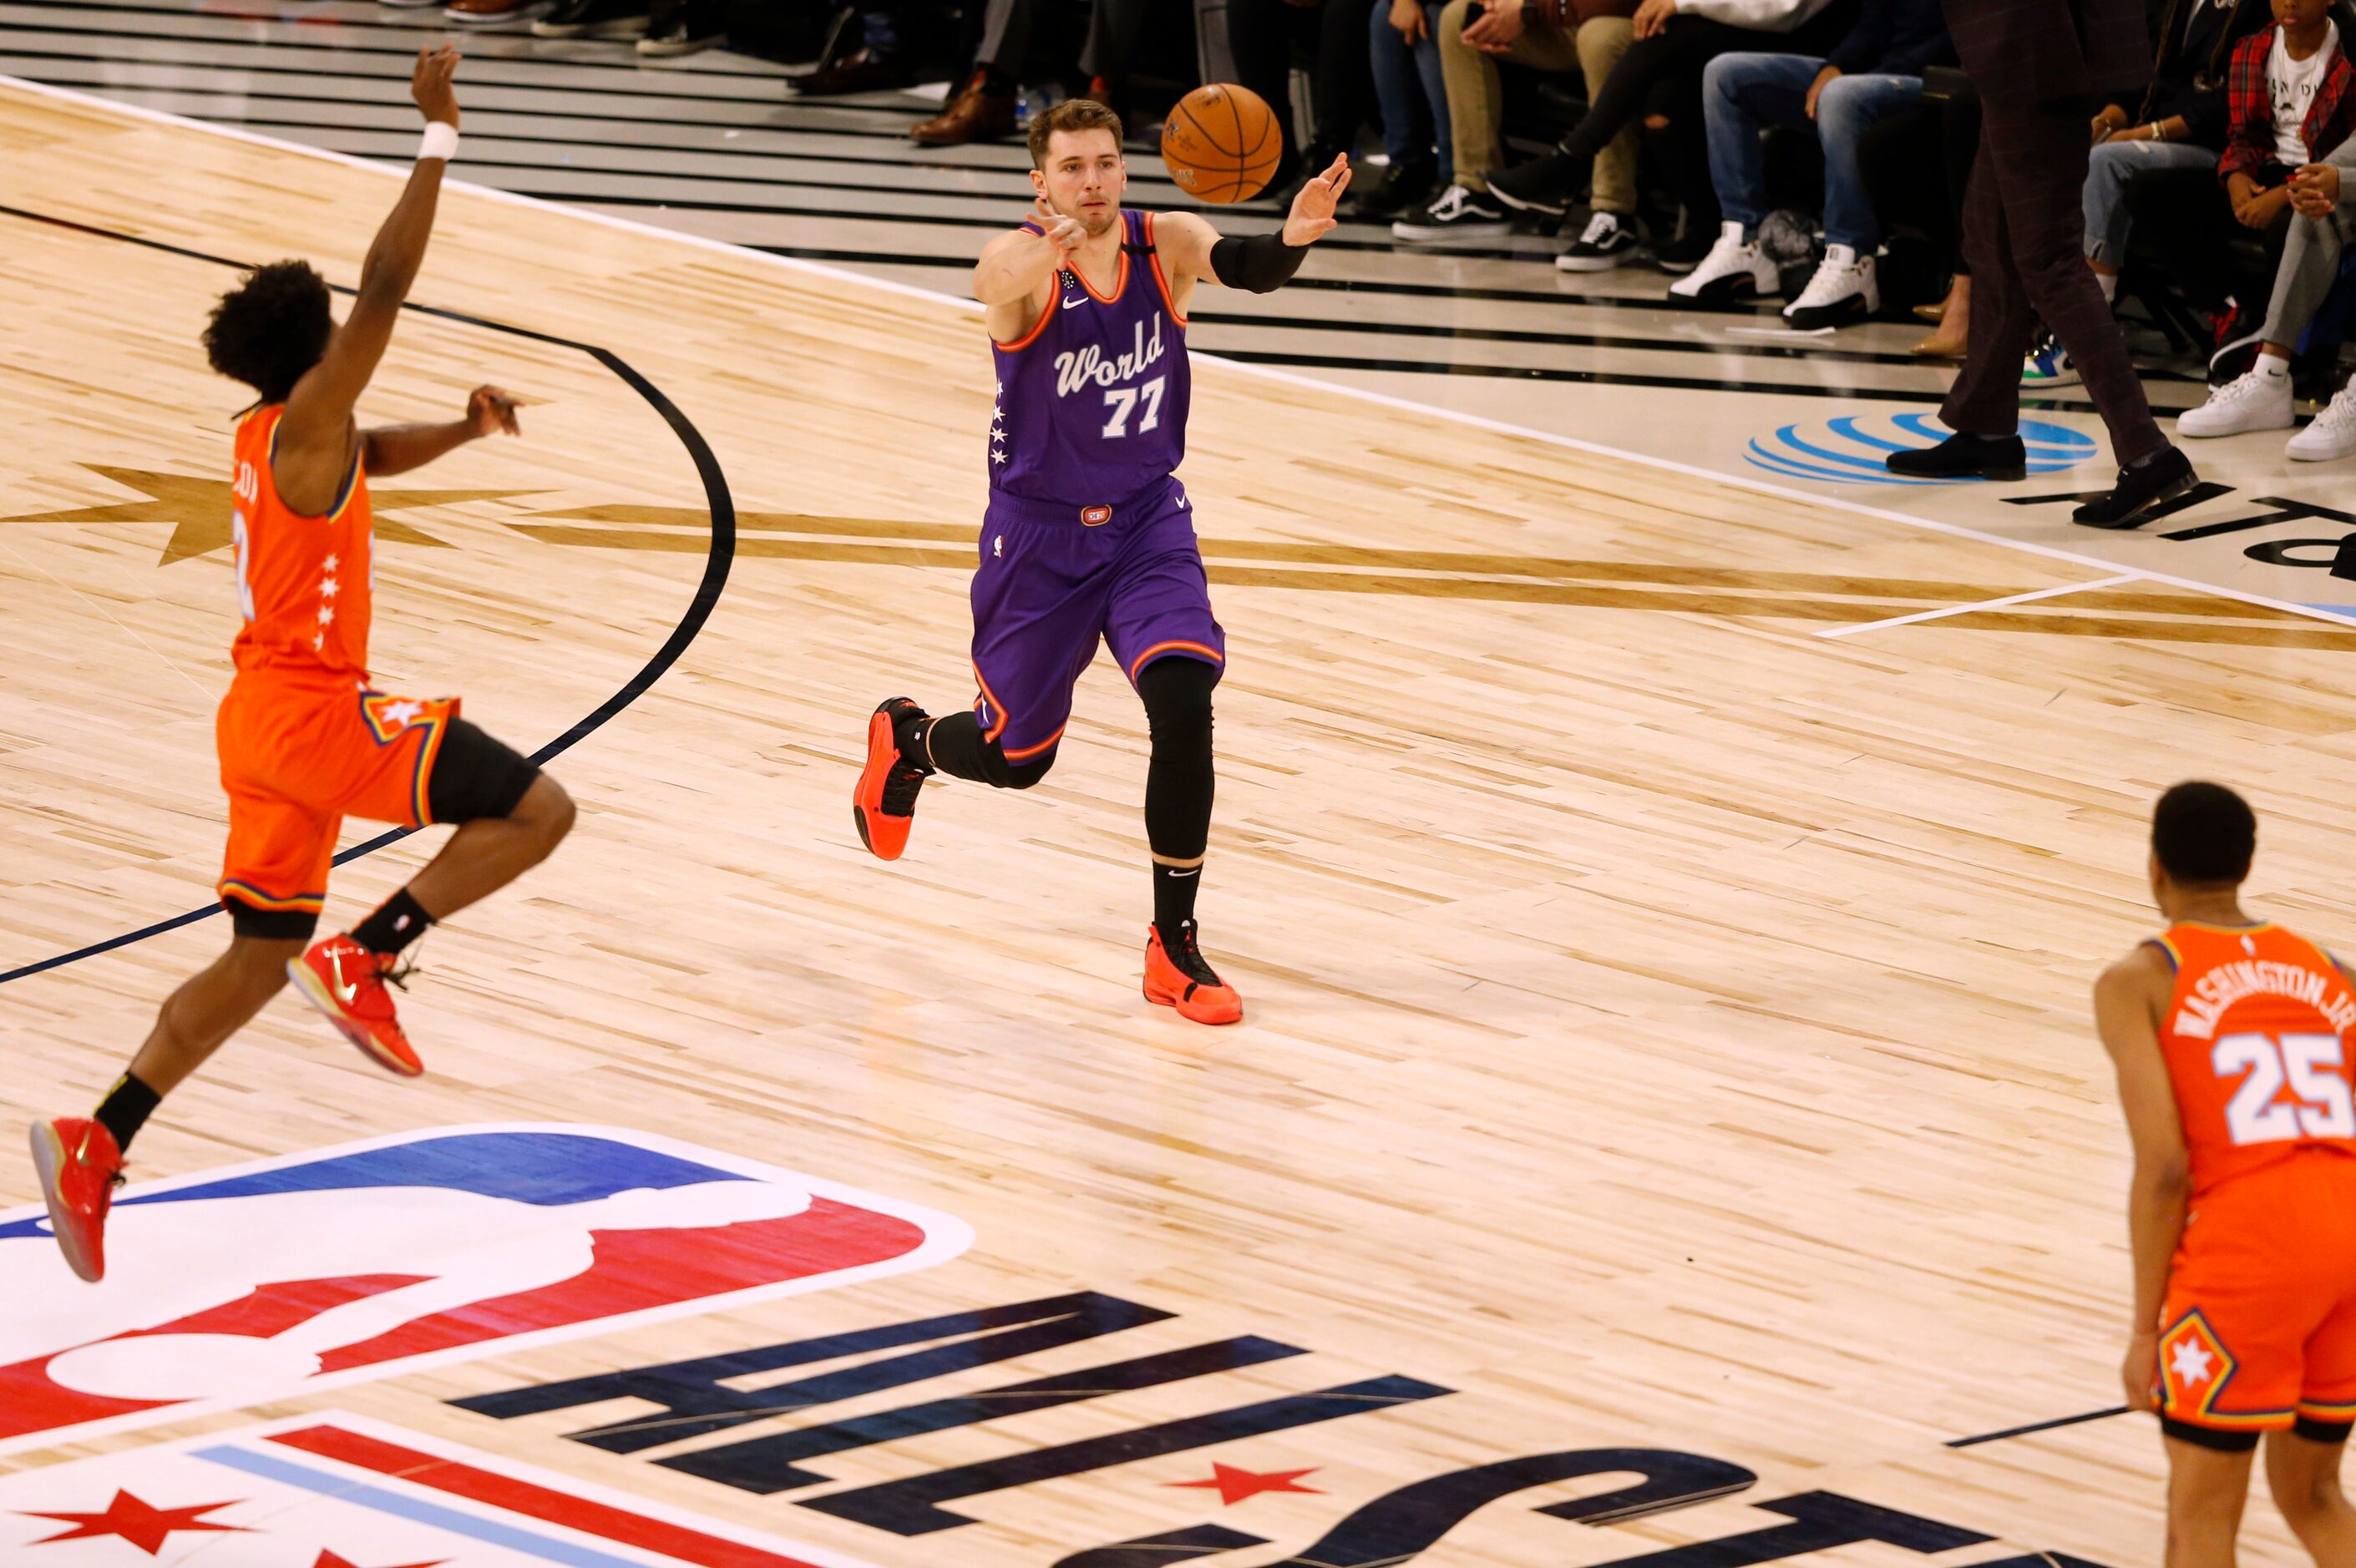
(1072, 115)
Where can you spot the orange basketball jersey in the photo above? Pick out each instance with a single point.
(2257, 1039)
(302, 584)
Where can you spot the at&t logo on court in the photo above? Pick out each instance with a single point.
(296, 1273)
(1854, 449)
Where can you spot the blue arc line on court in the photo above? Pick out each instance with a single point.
(489, 1532)
(716, 563)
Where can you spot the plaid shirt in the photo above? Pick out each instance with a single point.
(2250, 144)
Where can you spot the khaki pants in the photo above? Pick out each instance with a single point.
(1475, 107)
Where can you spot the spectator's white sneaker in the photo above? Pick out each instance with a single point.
(1843, 291)
(1734, 266)
(2333, 432)
(1608, 241)
(1456, 213)
(2252, 400)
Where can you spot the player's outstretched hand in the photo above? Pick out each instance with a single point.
(1064, 233)
(490, 411)
(430, 85)
(1313, 211)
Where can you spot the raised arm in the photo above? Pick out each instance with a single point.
(314, 436)
(1191, 249)
(1011, 278)
(2128, 1000)
(398, 448)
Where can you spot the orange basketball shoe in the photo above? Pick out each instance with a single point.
(884, 807)
(347, 983)
(1185, 981)
(79, 1168)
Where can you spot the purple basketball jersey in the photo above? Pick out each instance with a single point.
(1092, 404)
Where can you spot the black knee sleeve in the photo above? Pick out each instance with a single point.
(954, 744)
(474, 776)
(1181, 777)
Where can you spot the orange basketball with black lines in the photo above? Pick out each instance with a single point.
(1222, 143)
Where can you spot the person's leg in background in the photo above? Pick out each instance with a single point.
(1959, 141)
(1475, 110)
(1263, 33)
(1609, 237)
(1342, 87)
(1741, 95)
(1847, 287)
(1413, 172)
(2261, 397)
(1114, 28)
(984, 109)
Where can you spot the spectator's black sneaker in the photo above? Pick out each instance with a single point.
(595, 19)
(1843, 291)
(1403, 189)
(2162, 476)
(1685, 250)
(1543, 184)
(1608, 240)
(1455, 214)
(1964, 458)
(678, 28)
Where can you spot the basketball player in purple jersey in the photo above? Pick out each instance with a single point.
(1087, 534)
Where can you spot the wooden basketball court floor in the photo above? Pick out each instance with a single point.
(1665, 912)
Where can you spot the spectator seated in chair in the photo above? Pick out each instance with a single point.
(2322, 199)
(1873, 72)
(1404, 49)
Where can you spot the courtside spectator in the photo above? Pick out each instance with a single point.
(1586, 36)
(1872, 73)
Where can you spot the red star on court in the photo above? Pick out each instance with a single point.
(332, 1559)
(141, 1524)
(1234, 1486)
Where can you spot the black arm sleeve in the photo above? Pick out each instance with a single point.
(1262, 263)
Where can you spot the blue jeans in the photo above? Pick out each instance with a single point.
(1742, 94)
(2110, 169)
(1408, 86)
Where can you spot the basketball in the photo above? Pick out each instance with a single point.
(1222, 143)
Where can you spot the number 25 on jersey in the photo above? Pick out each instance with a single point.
(2312, 1068)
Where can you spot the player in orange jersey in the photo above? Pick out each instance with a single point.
(2233, 1039)
(303, 739)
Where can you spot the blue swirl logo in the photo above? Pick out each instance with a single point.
(1850, 451)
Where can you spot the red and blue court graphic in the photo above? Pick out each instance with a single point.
(365, 1261)
(333, 1490)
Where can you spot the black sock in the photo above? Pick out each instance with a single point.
(126, 1108)
(908, 734)
(996, 82)
(1174, 899)
(398, 921)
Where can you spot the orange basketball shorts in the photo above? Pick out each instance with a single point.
(2260, 1326)
(296, 758)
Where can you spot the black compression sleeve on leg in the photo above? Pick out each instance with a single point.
(954, 743)
(126, 1108)
(1180, 779)
(1262, 263)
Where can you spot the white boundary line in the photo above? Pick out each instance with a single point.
(1573, 443)
(1983, 605)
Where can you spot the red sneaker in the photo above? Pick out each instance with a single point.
(347, 983)
(884, 806)
(79, 1168)
(1183, 980)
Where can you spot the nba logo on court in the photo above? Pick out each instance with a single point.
(377, 1258)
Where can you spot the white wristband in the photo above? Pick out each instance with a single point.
(441, 142)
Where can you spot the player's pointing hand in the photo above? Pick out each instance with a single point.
(429, 84)
(492, 410)
(1064, 233)
(1313, 211)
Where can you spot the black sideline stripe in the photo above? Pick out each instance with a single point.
(716, 562)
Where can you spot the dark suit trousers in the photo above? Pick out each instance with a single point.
(2024, 237)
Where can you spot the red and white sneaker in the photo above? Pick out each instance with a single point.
(1184, 979)
(79, 1168)
(347, 983)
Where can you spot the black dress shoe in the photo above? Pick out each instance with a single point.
(1964, 456)
(2161, 477)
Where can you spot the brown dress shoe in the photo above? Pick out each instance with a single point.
(862, 70)
(972, 115)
